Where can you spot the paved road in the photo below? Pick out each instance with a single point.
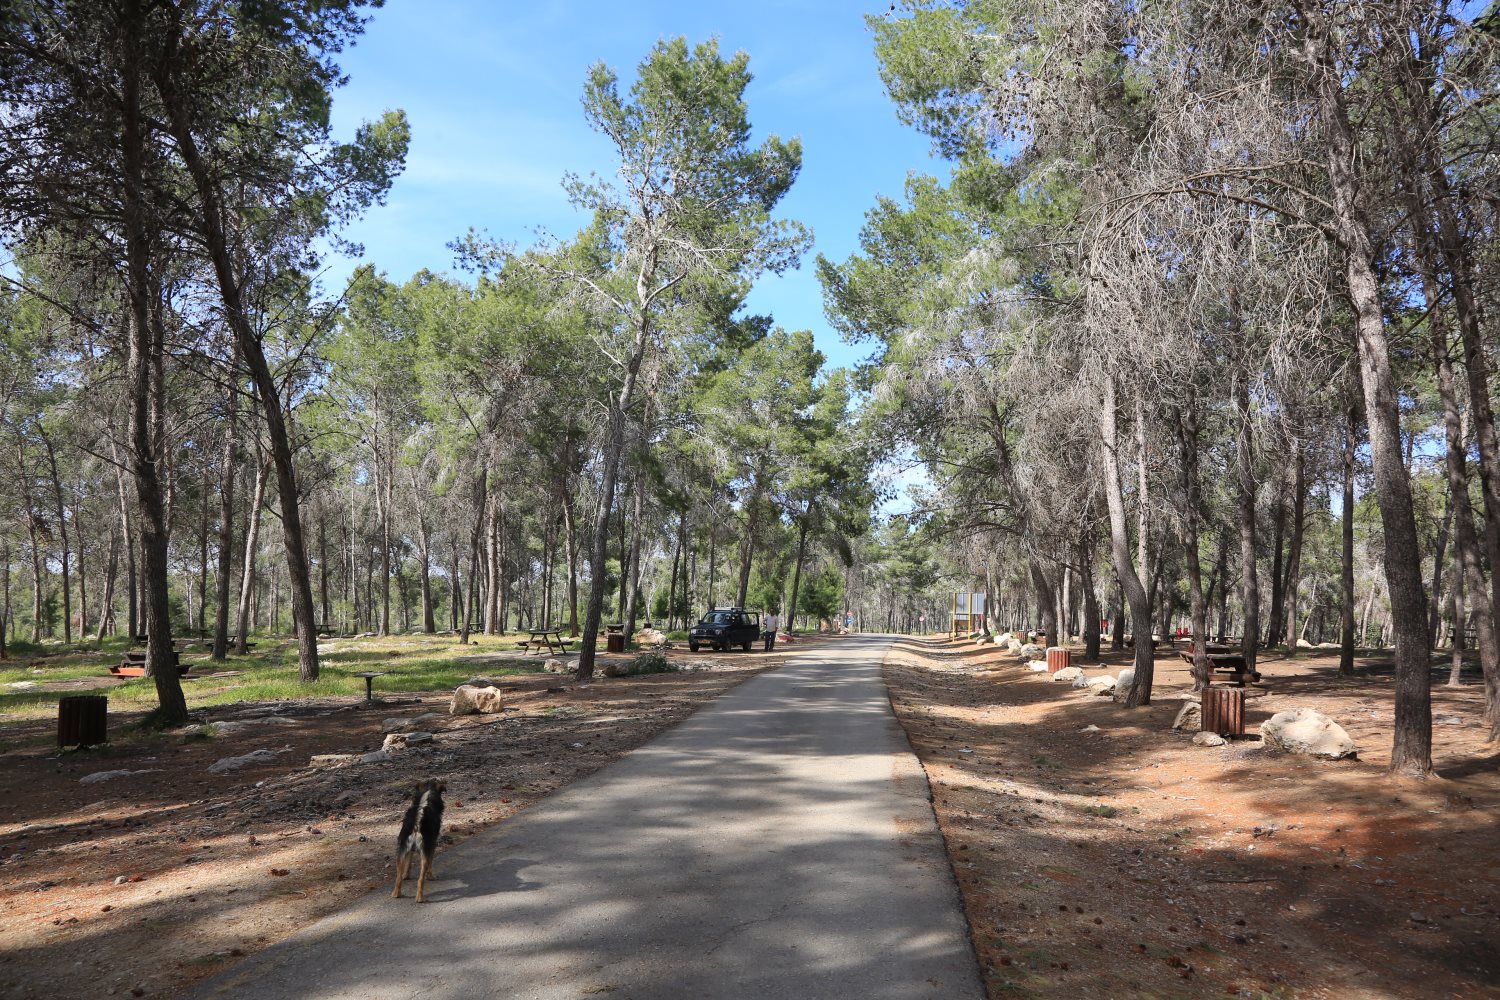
(779, 845)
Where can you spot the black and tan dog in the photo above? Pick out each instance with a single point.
(420, 830)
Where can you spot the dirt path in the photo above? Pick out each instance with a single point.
(142, 885)
(1100, 854)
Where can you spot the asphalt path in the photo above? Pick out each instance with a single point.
(778, 844)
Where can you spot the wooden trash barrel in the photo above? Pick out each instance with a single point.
(1058, 658)
(82, 720)
(1224, 711)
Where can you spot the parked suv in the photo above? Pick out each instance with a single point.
(725, 627)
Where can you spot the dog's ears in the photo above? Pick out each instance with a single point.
(440, 784)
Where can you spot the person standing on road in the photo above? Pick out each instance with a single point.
(772, 623)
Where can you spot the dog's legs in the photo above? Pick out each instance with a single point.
(422, 877)
(402, 863)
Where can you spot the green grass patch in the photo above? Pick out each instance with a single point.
(270, 673)
(1105, 812)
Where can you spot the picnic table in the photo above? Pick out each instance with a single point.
(134, 665)
(548, 637)
(1228, 659)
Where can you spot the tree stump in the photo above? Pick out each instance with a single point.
(1058, 658)
(82, 720)
(1224, 711)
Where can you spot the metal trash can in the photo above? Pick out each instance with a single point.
(82, 720)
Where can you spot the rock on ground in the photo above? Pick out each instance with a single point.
(236, 725)
(1122, 685)
(1209, 740)
(400, 741)
(1303, 730)
(1031, 651)
(652, 637)
(470, 700)
(98, 776)
(332, 759)
(1102, 686)
(235, 763)
(1067, 675)
(1037, 666)
(1189, 718)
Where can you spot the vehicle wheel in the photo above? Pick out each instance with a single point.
(746, 646)
(720, 647)
(693, 647)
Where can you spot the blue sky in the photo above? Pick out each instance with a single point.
(492, 91)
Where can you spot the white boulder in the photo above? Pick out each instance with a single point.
(470, 700)
(1102, 686)
(651, 638)
(1067, 675)
(1122, 685)
(1037, 666)
(1209, 740)
(1013, 644)
(1031, 651)
(1303, 730)
(1189, 718)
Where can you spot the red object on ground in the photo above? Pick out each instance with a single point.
(1057, 658)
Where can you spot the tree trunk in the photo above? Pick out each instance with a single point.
(476, 546)
(1468, 577)
(227, 476)
(247, 572)
(633, 578)
(1117, 632)
(747, 545)
(570, 533)
(1119, 532)
(1046, 600)
(106, 604)
(143, 374)
(1346, 629)
(424, 553)
(1411, 751)
(213, 222)
(1294, 552)
(1090, 601)
(1278, 546)
(1187, 441)
(62, 531)
(791, 612)
(1245, 470)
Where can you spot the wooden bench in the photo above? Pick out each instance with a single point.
(134, 665)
